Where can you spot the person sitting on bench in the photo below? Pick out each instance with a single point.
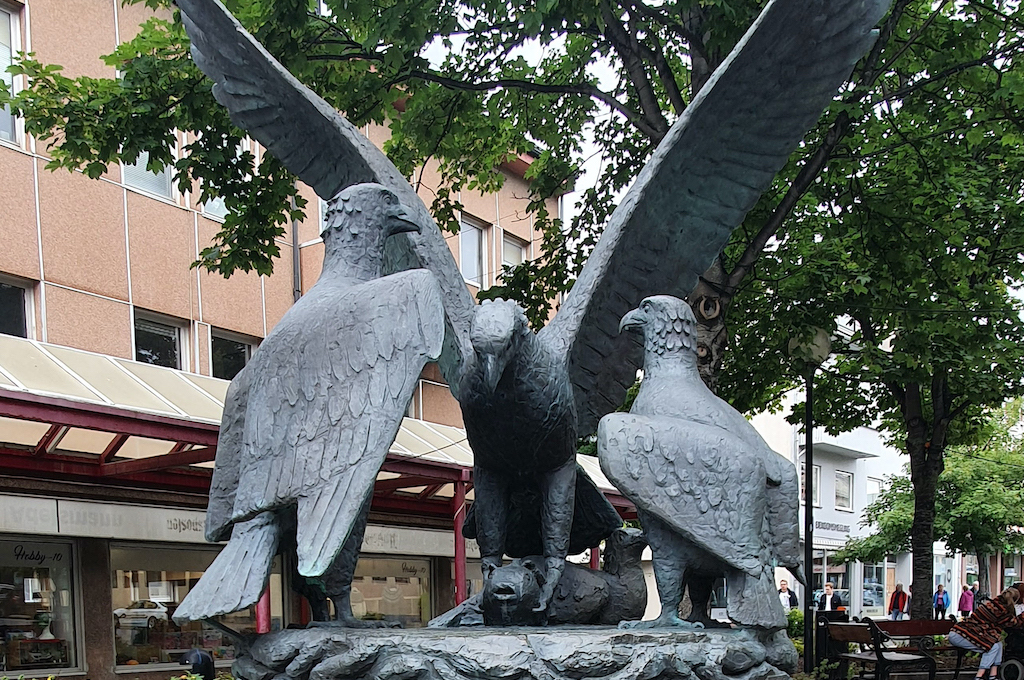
(982, 631)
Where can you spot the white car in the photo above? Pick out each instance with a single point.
(141, 614)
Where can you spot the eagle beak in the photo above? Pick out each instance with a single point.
(403, 221)
(632, 321)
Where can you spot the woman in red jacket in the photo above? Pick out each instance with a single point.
(982, 631)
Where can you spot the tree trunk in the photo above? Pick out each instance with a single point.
(984, 587)
(709, 303)
(925, 467)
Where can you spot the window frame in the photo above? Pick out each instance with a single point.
(171, 195)
(249, 342)
(179, 325)
(816, 474)
(835, 494)
(77, 603)
(481, 229)
(881, 488)
(512, 239)
(28, 301)
(15, 22)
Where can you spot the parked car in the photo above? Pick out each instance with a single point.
(141, 614)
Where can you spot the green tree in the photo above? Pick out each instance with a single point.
(979, 505)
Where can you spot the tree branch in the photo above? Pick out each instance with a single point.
(634, 65)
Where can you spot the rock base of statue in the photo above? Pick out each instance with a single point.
(552, 653)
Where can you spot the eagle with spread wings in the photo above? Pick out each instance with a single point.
(526, 397)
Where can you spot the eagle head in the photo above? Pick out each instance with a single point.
(666, 322)
(361, 217)
(498, 327)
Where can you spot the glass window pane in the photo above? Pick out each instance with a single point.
(36, 601)
(471, 253)
(229, 357)
(136, 175)
(387, 589)
(844, 490)
(6, 58)
(511, 252)
(12, 311)
(874, 489)
(149, 583)
(215, 208)
(816, 481)
(156, 343)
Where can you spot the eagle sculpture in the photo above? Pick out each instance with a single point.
(713, 499)
(309, 420)
(708, 171)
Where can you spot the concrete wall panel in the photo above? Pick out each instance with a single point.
(439, 406)
(88, 322)
(234, 304)
(82, 223)
(20, 252)
(161, 242)
(53, 19)
(312, 260)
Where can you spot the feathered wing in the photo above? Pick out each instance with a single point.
(220, 511)
(705, 175)
(326, 404)
(697, 478)
(321, 147)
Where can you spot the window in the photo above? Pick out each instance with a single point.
(148, 583)
(471, 254)
(13, 318)
(7, 34)
(36, 607)
(215, 208)
(137, 176)
(387, 589)
(157, 343)
(874, 489)
(229, 356)
(844, 490)
(817, 484)
(513, 251)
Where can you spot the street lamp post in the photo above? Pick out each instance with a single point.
(810, 351)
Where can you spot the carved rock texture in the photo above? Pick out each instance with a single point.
(554, 653)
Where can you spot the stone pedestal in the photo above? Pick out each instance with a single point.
(552, 653)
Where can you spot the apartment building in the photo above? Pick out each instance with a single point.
(114, 361)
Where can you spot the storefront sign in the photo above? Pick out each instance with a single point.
(27, 515)
(405, 541)
(32, 554)
(108, 520)
(832, 526)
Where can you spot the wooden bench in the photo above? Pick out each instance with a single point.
(872, 650)
(919, 635)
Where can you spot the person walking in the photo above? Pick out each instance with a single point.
(898, 603)
(787, 597)
(829, 600)
(966, 605)
(981, 632)
(940, 602)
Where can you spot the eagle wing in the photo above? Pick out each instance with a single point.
(697, 478)
(220, 511)
(709, 170)
(329, 388)
(321, 148)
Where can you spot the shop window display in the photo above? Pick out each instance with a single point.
(390, 589)
(148, 583)
(36, 606)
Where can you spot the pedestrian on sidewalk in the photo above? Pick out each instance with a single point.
(966, 605)
(940, 602)
(898, 603)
